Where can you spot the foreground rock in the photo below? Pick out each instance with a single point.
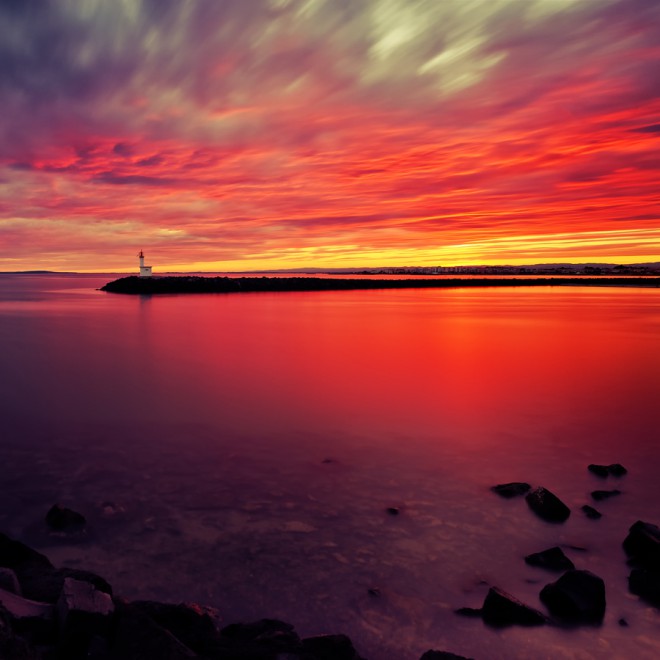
(78, 618)
(512, 489)
(576, 597)
(547, 505)
(552, 559)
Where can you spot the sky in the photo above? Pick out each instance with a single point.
(267, 134)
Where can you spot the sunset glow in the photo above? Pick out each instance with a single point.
(267, 134)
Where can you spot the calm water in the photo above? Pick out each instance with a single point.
(250, 444)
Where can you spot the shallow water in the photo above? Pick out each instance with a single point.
(241, 451)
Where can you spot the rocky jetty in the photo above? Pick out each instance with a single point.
(198, 284)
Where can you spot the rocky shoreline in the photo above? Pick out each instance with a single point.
(50, 613)
(197, 284)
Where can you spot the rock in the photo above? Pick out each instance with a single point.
(392, 510)
(45, 584)
(512, 489)
(623, 623)
(138, 636)
(576, 597)
(9, 581)
(265, 635)
(61, 519)
(547, 506)
(330, 647)
(600, 495)
(84, 612)
(643, 544)
(30, 619)
(191, 624)
(617, 470)
(553, 559)
(442, 655)
(646, 585)
(14, 553)
(590, 512)
(599, 470)
(11, 645)
(502, 609)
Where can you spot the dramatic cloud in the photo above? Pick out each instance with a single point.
(225, 134)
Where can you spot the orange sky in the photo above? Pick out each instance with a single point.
(311, 133)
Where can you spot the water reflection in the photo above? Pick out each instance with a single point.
(208, 419)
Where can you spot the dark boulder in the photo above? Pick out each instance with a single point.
(576, 597)
(84, 612)
(61, 519)
(330, 647)
(614, 469)
(9, 581)
(553, 559)
(600, 495)
(266, 635)
(512, 489)
(14, 553)
(191, 624)
(137, 635)
(393, 511)
(12, 645)
(590, 512)
(45, 584)
(598, 470)
(502, 609)
(442, 655)
(617, 470)
(642, 544)
(646, 585)
(547, 506)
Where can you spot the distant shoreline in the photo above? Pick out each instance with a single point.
(196, 284)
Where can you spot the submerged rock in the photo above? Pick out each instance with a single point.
(614, 469)
(553, 559)
(442, 655)
(512, 489)
(646, 585)
(590, 512)
(502, 609)
(600, 495)
(576, 597)
(393, 510)
(642, 544)
(61, 519)
(546, 505)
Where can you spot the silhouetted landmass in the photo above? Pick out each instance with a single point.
(196, 284)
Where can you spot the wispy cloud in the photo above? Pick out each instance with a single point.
(264, 132)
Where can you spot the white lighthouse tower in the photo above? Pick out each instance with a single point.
(145, 271)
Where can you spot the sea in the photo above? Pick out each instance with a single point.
(243, 451)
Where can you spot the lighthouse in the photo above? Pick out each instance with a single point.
(145, 271)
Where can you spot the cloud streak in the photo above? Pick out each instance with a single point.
(267, 133)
